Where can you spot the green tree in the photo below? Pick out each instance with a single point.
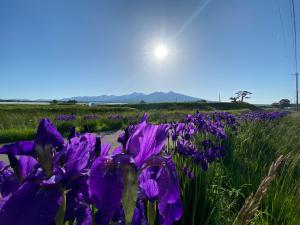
(275, 105)
(284, 103)
(233, 99)
(54, 101)
(243, 95)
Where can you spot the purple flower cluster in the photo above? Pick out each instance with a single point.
(65, 117)
(210, 128)
(90, 117)
(263, 115)
(50, 181)
(189, 173)
(115, 117)
(132, 118)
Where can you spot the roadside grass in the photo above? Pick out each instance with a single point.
(216, 196)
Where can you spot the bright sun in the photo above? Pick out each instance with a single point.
(161, 52)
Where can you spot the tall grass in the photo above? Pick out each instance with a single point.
(216, 196)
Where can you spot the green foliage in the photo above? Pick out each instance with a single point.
(192, 106)
(11, 135)
(216, 196)
(284, 103)
(64, 126)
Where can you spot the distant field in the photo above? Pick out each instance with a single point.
(19, 122)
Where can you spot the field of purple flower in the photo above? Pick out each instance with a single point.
(198, 170)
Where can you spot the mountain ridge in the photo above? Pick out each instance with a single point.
(135, 97)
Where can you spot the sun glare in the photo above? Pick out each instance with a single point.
(161, 52)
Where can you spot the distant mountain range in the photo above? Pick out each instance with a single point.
(136, 98)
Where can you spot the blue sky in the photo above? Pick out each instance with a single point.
(62, 48)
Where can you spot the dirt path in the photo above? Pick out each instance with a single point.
(111, 137)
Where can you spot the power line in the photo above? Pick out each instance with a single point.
(284, 35)
(295, 52)
(295, 36)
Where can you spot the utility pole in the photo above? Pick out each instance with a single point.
(297, 107)
(219, 97)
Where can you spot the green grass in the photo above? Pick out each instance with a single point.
(11, 135)
(216, 196)
(18, 122)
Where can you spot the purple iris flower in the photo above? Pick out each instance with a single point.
(43, 179)
(47, 134)
(147, 140)
(106, 182)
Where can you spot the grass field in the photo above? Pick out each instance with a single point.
(19, 122)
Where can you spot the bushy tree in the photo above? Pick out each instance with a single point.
(72, 101)
(284, 102)
(275, 105)
(233, 99)
(243, 95)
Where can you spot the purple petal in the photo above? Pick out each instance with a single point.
(144, 117)
(163, 171)
(18, 148)
(53, 180)
(150, 188)
(9, 182)
(116, 151)
(26, 165)
(170, 206)
(48, 134)
(172, 212)
(33, 205)
(105, 188)
(105, 147)
(146, 141)
(78, 153)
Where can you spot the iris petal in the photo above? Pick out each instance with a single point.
(18, 148)
(105, 188)
(31, 205)
(147, 140)
(48, 134)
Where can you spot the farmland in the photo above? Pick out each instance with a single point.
(19, 122)
(211, 157)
